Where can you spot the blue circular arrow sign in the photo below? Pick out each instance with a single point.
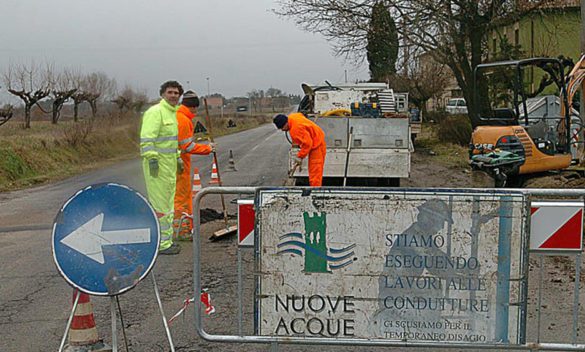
(105, 239)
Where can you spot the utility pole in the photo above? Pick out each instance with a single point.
(207, 86)
(346, 71)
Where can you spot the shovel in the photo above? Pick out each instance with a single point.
(290, 181)
(228, 229)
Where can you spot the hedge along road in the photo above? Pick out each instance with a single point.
(35, 301)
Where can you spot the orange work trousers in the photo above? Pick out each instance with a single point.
(184, 201)
(316, 163)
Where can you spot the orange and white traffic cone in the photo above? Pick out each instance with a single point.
(214, 176)
(231, 163)
(196, 181)
(83, 332)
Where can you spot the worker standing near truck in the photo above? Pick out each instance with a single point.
(311, 140)
(159, 152)
(183, 221)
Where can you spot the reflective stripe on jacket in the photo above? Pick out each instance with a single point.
(158, 134)
(186, 129)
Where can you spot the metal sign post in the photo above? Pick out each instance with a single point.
(105, 241)
(419, 268)
(556, 228)
(246, 221)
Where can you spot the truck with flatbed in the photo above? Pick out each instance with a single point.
(367, 131)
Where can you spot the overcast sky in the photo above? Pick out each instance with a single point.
(239, 45)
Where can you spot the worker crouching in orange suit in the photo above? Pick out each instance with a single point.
(183, 221)
(310, 138)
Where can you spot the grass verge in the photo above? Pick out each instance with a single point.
(449, 154)
(46, 152)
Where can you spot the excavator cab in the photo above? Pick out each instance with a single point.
(524, 120)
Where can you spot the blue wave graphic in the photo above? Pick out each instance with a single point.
(333, 250)
(339, 266)
(327, 257)
(292, 234)
(291, 250)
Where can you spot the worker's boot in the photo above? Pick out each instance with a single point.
(173, 249)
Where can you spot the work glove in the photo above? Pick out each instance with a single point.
(180, 166)
(153, 167)
(297, 161)
(212, 145)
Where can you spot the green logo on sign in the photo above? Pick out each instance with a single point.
(319, 258)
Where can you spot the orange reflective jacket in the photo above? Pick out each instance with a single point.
(188, 147)
(186, 129)
(311, 139)
(305, 133)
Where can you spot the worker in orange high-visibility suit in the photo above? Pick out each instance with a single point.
(310, 138)
(183, 221)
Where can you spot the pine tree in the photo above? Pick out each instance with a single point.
(382, 47)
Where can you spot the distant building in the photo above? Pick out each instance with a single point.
(551, 29)
(215, 102)
(237, 104)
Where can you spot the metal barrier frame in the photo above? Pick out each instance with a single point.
(275, 340)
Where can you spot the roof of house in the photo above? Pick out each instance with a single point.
(548, 4)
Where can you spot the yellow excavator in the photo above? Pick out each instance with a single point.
(529, 122)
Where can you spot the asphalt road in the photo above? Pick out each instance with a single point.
(35, 300)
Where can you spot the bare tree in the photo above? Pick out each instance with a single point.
(130, 99)
(255, 98)
(6, 113)
(140, 101)
(125, 99)
(77, 81)
(28, 82)
(424, 79)
(61, 90)
(454, 32)
(95, 86)
(273, 94)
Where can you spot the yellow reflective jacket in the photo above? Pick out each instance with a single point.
(158, 135)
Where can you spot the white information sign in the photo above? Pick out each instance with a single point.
(410, 266)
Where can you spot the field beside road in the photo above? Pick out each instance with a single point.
(48, 152)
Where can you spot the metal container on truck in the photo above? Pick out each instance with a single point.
(367, 132)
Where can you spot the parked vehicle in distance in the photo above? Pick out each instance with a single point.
(456, 106)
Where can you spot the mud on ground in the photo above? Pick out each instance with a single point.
(219, 276)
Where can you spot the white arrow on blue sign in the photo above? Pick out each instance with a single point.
(105, 239)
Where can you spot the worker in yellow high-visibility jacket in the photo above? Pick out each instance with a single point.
(159, 151)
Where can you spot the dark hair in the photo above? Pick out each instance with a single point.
(171, 84)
